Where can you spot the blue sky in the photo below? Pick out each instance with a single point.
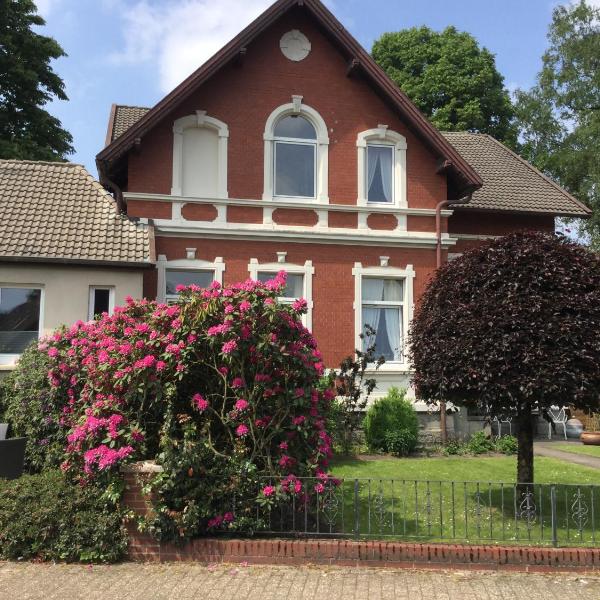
(135, 51)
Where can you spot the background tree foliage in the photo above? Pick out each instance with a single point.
(559, 118)
(27, 84)
(512, 327)
(451, 79)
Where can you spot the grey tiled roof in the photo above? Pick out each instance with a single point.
(124, 117)
(510, 182)
(58, 211)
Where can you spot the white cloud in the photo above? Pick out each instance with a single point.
(180, 37)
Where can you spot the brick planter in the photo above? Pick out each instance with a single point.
(343, 552)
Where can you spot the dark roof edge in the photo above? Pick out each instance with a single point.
(77, 261)
(111, 125)
(540, 213)
(471, 179)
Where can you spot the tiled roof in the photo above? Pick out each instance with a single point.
(58, 211)
(510, 182)
(123, 118)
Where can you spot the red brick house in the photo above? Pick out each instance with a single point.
(291, 149)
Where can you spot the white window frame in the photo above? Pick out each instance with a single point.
(407, 275)
(185, 264)
(11, 359)
(199, 120)
(111, 299)
(382, 136)
(296, 107)
(294, 142)
(307, 270)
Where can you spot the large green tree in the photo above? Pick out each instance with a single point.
(559, 117)
(451, 79)
(27, 84)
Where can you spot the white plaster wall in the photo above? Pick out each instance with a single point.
(66, 288)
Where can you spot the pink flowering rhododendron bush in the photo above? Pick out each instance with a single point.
(220, 387)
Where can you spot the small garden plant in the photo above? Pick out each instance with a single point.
(391, 424)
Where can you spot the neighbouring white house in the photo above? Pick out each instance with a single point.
(66, 254)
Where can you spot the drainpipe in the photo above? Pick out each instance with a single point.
(438, 256)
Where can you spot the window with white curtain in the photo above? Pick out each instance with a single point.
(380, 173)
(295, 157)
(382, 309)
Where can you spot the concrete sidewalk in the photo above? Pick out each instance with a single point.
(542, 448)
(182, 581)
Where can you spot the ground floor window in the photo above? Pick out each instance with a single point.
(102, 300)
(298, 281)
(20, 315)
(188, 271)
(176, 277)
(383, 309)
(382, 306)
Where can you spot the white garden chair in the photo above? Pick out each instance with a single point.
(558, 416)
(500, 421)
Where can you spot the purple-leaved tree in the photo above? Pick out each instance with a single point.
(512, 327)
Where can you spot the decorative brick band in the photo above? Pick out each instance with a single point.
(143, 547)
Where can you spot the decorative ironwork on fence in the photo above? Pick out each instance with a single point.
(466, 511)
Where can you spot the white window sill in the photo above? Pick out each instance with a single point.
(390, 367)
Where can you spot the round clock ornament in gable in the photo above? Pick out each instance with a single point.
(294, 45)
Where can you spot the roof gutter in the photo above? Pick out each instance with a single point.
(109, 184)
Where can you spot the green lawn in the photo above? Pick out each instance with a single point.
(579, 449)
(440, 499)
(463, 468)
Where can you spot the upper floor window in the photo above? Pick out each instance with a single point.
(381, 167)
(296, 153)
(380, 173)
(295, 157)
(200, 157)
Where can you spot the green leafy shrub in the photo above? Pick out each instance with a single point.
(401, 442)
(34, 410)
(480, 443)
(455, 448)
(44, 516)
(391, 424)
(507, 444)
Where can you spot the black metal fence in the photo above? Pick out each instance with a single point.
(442, 511)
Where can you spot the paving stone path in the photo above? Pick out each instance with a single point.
(547, 449)
(129, 581)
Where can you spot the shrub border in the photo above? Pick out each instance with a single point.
(143, 547)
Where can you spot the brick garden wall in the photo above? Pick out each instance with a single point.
(143, 547)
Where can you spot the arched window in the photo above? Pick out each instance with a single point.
(296, 145)
(381, 167)
(200, 157)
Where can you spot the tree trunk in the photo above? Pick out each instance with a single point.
(525, 452)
